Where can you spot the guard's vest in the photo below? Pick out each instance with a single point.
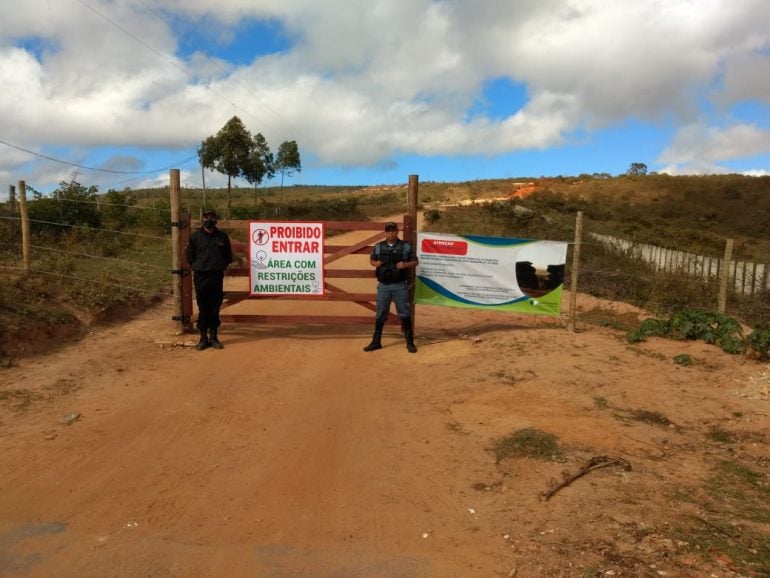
(387, 272)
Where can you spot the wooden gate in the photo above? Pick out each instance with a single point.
(364, 300)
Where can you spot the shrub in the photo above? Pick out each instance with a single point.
(688, 324)
(759, 342)
(529, 443)
(431, 215)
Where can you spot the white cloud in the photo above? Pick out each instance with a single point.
(366, 80)
(700, 147)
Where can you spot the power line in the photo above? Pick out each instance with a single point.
(223, 69)
(171, 166)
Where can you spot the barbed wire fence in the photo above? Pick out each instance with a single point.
(659, 279)
(127, 260)
(653, 278)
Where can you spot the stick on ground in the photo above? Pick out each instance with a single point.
(593, 464)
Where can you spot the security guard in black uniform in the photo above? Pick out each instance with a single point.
(209, 253)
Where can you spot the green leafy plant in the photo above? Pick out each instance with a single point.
(690, 324)
(683, 359)
(759, 342)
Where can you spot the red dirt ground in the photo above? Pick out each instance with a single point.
(292, 453)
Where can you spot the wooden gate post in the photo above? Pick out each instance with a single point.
(25, 254)
(573, 286)
(187, 286)
(176, 249)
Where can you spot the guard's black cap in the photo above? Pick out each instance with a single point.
(391, 226)
(210, 213)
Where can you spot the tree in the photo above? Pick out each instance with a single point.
(71, 204)
(288, 162)
(233, 152)
(637, 170)
(260, 165)
(116, 210)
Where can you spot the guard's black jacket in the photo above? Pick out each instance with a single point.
(390, 255)
(209, 252)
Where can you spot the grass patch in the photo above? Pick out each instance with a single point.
(504, 377)
(683, 359)
(650, 417)
(719, 435)
(741, 491)
(650, 354)
(609, 318)
(747, 551)
(738, 499)
(19, 399)
(529, 443)
(601, 402)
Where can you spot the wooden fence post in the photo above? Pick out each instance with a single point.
(12, 199)
(573, 286)
(176, 255)
(25, 242)
(410, 233)
(724, 274)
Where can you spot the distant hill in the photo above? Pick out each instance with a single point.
(684, 212)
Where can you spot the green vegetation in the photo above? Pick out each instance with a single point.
(711, 327)
(19, 399)
(78, 224)
(601, 402)
(736, 505)
(759, 342)
(92, 258)
(234, 152)
(683, 359)
(650, 417)
(529, 443)
(719, 435)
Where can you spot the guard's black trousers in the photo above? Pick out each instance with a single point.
(209, 294)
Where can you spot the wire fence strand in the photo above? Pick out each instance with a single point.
(114, 259)
(109, 284)
(89, 228)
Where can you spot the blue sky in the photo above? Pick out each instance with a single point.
(118, 91)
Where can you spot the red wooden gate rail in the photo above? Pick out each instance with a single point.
(333, 292)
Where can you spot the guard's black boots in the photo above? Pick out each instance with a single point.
(376, 344)
(406, 323)
(214, 342)
(204, 341)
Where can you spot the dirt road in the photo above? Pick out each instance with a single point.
(292, 453)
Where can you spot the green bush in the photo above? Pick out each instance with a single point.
(689, 324)
(759, 342)
(431, 215)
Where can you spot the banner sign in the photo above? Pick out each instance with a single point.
(286, 258)
(520, 275)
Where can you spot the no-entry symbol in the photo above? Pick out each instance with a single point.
(260, 236)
